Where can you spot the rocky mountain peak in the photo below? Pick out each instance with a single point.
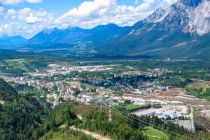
(156, 16)
(190, 3)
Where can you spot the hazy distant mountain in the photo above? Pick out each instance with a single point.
(12, 41)
(74, 35)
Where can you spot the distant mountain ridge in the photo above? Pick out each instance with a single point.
(98, 34)
(14, 41)
(181, 31)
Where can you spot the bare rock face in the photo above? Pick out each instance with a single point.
(186, 15)
(156, 16)
(190, 3)
(200, 18)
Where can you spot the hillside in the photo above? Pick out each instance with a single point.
(20, 116)
(26, 117)
(9, 42)
(7, 93)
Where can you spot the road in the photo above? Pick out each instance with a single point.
(192, 118)
(93, 134)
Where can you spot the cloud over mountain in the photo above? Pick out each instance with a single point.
(86, 15)
(92, 13)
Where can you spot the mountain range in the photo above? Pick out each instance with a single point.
(12, 41)
(180, 31)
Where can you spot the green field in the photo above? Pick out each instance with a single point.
(154, 134)
(132, 107)
(16, 63)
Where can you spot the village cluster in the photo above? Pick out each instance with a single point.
(172, 102)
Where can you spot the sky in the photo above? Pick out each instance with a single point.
(28, 17)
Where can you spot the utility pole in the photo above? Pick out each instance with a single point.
(110, 113)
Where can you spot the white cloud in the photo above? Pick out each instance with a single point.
(10, 1)
(166, 3)
(11, 12)
(88, 8)
(170, 1)
(34, 16)
(1, 9)
(92, 13)
(16, 28)
(34, 1)
(30, 16)
(13, 2)
(12, 29)
(27, 21)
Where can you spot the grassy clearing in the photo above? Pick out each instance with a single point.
(132, 107)
(154, 134)
(198, 85)
(16, 64)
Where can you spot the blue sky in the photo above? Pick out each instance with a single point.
(27, 17)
